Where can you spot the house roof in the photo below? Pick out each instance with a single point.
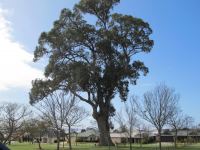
(135, 134)
(88, 133)
(118, 135)
(183, 133)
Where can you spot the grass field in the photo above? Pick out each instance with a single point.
(90, 146)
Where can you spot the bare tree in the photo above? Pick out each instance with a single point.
(54, 109)
(159, 105)
(11, 120)
(176, 121)
(128, 119)
(60, 110)
(119, 118)
(74, 117)
(142, 129)
(130, 110)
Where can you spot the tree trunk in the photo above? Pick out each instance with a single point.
(140, 139)
(39, 144)
(104, 130)
(63, 143)
(76, 138)
(130, 141)
(58, 140)
(187, 136)
(70, 143)
(8, 137)
(159, 140)
(175, 138)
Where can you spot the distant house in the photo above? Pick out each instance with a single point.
(119, 137)
(152, 136)
(49, 136)
(88, 135)
(182, 135)
(92, 135)
(136, 136)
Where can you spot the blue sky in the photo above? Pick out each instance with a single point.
(174, 59)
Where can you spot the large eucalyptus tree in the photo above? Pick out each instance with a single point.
(93, 58)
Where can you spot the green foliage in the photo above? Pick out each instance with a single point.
(93, 58)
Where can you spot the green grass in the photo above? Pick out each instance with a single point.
(91, 146)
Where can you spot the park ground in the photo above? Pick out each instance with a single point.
(91, 146)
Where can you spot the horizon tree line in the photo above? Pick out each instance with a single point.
(59, 110)
(160, 108)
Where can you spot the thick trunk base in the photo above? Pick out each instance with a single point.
(104, 131)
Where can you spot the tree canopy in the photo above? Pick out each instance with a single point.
(92, 58)
(87, 58)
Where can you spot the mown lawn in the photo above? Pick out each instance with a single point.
(91, 146)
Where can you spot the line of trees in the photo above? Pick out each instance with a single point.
(55, 114)
(160, 108)
(60, 111)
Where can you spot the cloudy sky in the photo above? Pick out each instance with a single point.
(15, 60)
(173, 60)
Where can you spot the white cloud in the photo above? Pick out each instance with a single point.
(15, 68)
